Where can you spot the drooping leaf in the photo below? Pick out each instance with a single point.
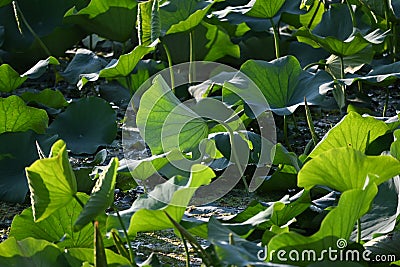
(335, 33)
(18, 151)
(40, 68)
(337, 225)
(15, 116)
(51, 181)
(264, 8)
(47, 97)
(101, 197)
(85, 125)
(111, 19)
(284, 83)
(182, 15)
(172, 197)
(30, 252)
(84, 62)
(165, 123)
(9, 78)
(57, 228)
(382, 75)
(346, 168)
(352, 131)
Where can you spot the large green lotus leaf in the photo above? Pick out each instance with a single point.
(101, 197)
(45, 18)
(182, 15)
(16, 116)
(354, 44)
(384, 211)
(126, 63)
(395, 146)
(9, 78)
(284, 83)
(148, 211)
(338, 224)
(352, 131)
(346, 168)
(165, 123)
(51, 181)
(47, 97)
(57, 228)
(84, 62)
(111, 19)
(30, 252)
(86, 124)
(18, 151)
(149, 25)
(264, 8)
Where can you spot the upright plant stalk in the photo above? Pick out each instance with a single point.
(191, 57)
(276, 38)
(386, 102)
(235, 156)
(18, 11)
(128, 241)
(342, 86)
(186, 251)
(358, 231)
(352, 15)
(171, 72)
(314, 14)
(285, 132)
(310, 123)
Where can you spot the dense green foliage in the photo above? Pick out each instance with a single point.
(343, 189)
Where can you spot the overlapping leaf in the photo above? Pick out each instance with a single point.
(15, 116)
(284, 84)
(52, 182)
(165, 123)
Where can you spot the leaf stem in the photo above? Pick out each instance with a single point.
(19, 11)
(191, 57)
(285, 132)
(276, 39)
(386, 102)
(314, 15)
(352, 15)
(310, 123)
(235, 156)
(358, 231)
(171, 72)
(79, 201)
(186, 251)
(128, 241)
